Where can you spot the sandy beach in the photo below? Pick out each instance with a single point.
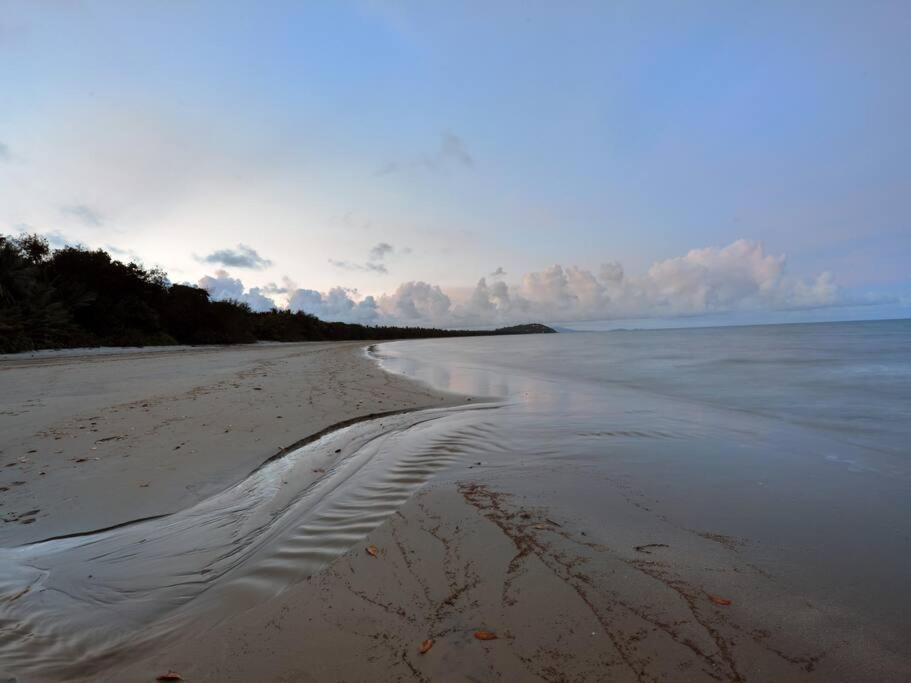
(94, 440)
(459, 547)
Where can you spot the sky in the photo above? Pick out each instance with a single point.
(473, 163)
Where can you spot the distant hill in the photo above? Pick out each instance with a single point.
(74, 297)
(529, 328)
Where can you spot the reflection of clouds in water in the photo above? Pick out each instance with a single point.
(540, 395)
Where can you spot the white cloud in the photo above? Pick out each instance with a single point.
(222, 287)
(338, 304)
(416, 303)
(738, 277)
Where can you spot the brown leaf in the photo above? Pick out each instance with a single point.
(485, 635)
(170, 676)
(372, 550)
(426, 645)
(719, 601)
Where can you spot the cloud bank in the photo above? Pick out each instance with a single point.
(738, 277)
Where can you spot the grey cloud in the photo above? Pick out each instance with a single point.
(242, 257)
(377, 253)
(368, 267)
(386, 169)
(453, 148)
(499, 272)
(4, 152)
(83, 213)
(451, 151)
(288, 285)
(380, 251)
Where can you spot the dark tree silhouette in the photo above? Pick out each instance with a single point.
(74, 297)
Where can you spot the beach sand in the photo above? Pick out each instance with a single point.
(631, 599)
(96, 440)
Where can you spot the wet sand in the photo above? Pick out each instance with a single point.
(463, 542)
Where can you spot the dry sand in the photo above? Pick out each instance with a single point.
(95, 440)
(633, 600)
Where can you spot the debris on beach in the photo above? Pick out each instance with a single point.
(170, 676)
(648, 546)
(719, 601)
(372, 550)
(426, 645)
(485, 635)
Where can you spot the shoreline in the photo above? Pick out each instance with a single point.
(431, 535)
(90, 445)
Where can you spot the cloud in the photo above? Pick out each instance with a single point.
(242, 257)
(222, 287)
(378, 252)
(737, 277)
(370, 267)
(415, 302)
(452, 148)
(129, 253)
(386, 169)
(451, 151)
(499, 272)
(4, 152)
(85, 214)
(338, 304)
(288, 285)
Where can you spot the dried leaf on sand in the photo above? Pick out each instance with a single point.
(485, 635)
(372, 550)
(719, 601)
(426, 645)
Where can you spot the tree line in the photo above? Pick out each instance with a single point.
(77, 297)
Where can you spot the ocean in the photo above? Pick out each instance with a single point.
(791, 441)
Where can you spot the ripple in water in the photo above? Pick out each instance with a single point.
(70, 605)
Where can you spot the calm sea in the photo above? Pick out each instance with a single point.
(793, 439)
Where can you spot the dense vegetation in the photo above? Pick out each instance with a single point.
(75, 297)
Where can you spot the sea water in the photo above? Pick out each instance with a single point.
(795, 440)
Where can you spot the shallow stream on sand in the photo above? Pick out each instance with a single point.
(72, 604)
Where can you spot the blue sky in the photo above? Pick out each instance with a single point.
(472, 137)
